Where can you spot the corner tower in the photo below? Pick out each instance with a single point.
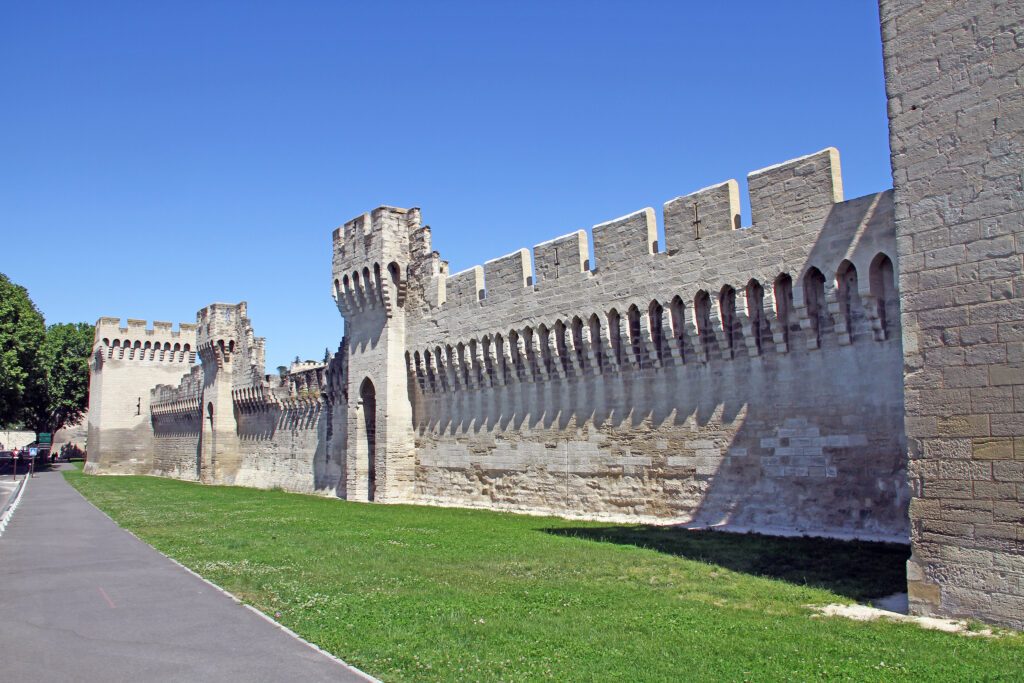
(956, 131)
(127, 362)
(372, 258)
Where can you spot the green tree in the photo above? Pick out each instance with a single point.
(21, 332)
(59, 387)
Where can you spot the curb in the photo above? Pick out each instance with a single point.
(270, 620)
(15, 498)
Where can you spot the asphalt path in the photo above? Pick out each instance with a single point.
(83, 600)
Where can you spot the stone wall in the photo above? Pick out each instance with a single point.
(287, 447)
(956, 110)
(13, 438)
(750, 378)
(176, 444)
(126, 363)
(746, 444)
(284, 428)
(740, 377)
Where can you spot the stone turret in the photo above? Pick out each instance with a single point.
(373, 256)
(232, 357)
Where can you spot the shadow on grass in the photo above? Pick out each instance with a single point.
(859, 570)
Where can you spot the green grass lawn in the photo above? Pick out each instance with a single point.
(421, 593)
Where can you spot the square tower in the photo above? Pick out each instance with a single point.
(372, 258)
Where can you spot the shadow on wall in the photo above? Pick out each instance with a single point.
(689, 447)
(847, 418)
(798, 427)
(858, 570)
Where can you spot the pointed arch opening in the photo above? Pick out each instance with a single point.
(702, 316)
(561, 348)
(615, 336)
(395, 275)
(849, 299)
(784, 304)
(594, 330)
(543, 343)
(755, 312)
(635, 342)
(368, 401)
(678, 309)
(814, 299)
(654, 317)
(727, 309)
(882, 280)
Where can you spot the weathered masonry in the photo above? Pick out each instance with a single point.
(817, 371)
(742, 377)
(956, 128)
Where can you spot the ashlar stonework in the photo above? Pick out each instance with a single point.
(737, 377)
(818, 371)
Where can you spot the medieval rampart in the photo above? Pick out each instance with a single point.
(126, 363)
(747, 377)
(283, 426)
(177, 421)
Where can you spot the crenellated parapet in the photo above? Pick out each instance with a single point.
(183, 399)
(127, 361)
(788, 199)
(306, 378)
(140, 342)
(811, 271)
(225, 340)
(336, 384)
(372, 258)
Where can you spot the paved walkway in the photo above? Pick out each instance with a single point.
(83, 600)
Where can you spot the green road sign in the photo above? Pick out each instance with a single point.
(45, 437)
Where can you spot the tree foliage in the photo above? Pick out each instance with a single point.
(59, 393)
(44, 371)
(21, 332)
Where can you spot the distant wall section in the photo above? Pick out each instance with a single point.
(127, 362)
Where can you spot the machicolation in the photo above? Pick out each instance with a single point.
(843, 367)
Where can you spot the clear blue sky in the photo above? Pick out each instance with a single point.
(155, 157)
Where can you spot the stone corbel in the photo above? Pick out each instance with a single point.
(454, 368)
(494, 370)
(540, 368)
(691, 336)
(718, 330)
(591, 350)
(775, 326)
(671, 339)
(629, 358)
(647, 341)
(557, 362)
(808, 325)
(871, 304)
(746, 323)
(841, 323)
(510, 372)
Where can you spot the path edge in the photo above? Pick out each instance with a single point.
(8, 511)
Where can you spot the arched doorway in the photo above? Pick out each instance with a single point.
(368, 398)
(205, 447)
